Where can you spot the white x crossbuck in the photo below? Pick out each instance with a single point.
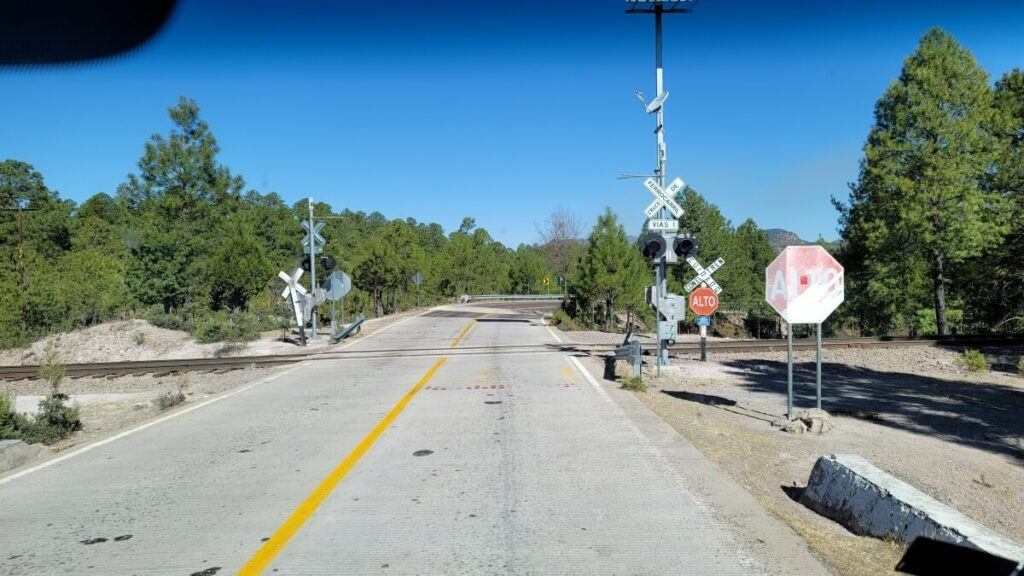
(315, 233)
(664, 198)
(295, 291)
(704, 275)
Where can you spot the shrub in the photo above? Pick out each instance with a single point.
(236, 326)
(974, 361)
(169, 399)
(562, 319)
(170, 320)
(634, 383)
(55, 420)
(8, 427)
(52, 368)
(139, 338)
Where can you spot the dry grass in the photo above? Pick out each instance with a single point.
(633, 383)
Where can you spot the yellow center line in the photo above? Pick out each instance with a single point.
(265, 555)
(462, 334)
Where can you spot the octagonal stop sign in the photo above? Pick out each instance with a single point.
(703, 301)
(804, 284)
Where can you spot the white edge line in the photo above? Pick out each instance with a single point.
(550, 331)
(183, 411)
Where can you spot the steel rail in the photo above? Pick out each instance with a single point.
(722, 346)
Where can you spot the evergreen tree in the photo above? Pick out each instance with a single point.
(238, 269)
(921, 198)
(178, 201)
(1004, 306)
(612, 272)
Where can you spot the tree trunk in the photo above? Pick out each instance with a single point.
(940, 295)
(609, 315)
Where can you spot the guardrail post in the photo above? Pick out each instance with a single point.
(637, 358)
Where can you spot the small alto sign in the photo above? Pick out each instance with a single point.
(703, 301)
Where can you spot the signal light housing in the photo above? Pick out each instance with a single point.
(685, 246)
(654, 247)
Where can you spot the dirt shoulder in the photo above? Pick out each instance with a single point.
(913, 412)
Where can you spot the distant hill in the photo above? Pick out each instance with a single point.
(781, 238)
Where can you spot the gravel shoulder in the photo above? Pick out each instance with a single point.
(913, 412)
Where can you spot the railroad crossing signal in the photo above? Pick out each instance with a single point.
(704, 275)
(315, 233)
(657, 246)
(664, 198)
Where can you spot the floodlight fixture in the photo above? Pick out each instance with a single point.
(656, 104)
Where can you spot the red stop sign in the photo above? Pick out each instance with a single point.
(703, 301)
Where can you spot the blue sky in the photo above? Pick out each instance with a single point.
(502, 110)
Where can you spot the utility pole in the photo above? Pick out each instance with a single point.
(659, 8)
(19, 206)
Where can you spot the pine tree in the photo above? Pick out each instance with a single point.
(612, 272)
(178, 200)
(921, 197)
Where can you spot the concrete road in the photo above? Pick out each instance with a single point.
(445, 464)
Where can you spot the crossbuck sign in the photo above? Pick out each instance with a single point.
(315, 233)
(664, 198)
(704, 275)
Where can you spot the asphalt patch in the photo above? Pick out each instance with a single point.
(492, 401)
(208, 572)
(93, 541)
(122, 537)
(423, 453)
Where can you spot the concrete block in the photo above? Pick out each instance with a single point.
(14, 453)
(867, 500)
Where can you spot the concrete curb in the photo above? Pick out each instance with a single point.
(867, 500)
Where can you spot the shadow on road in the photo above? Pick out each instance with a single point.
(982, 415)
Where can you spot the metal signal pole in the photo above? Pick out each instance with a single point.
(659, 8)
(312, 267)
(659, 278)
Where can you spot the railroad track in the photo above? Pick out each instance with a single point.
(237, 362)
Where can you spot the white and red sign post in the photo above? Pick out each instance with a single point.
(703, 302)
(804, 284)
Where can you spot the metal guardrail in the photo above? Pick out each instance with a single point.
(540, 297)
(349, 330)
(632, 352)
